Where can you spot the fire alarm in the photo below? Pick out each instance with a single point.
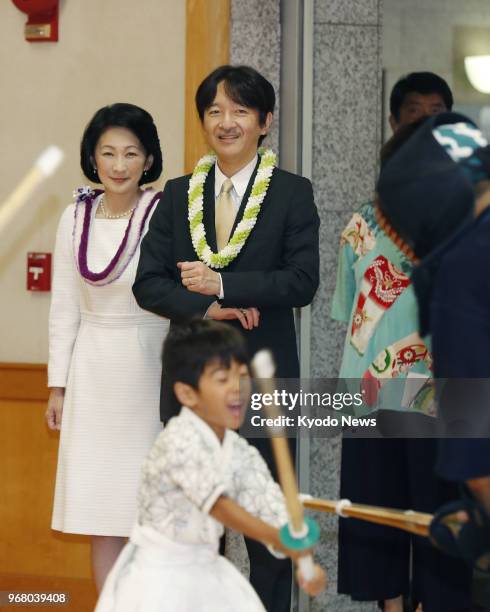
(39, 271)
(42, 19)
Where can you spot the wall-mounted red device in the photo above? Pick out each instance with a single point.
(39, 271)
(42, 19)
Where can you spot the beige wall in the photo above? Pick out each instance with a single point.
(109, 51)
(419, 35)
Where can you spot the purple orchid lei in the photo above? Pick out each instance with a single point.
(85, 197)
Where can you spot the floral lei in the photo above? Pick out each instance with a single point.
(84, 213)
(242, 231)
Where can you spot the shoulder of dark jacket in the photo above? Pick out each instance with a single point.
(284, 176)
(179, 181)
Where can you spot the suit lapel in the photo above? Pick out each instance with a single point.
(246, 195)
(209, 201)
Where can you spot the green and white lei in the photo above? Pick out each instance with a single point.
(246, 224)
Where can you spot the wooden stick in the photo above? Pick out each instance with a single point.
(44, 166)
(408, 520)
(285, 467)
(264, 369)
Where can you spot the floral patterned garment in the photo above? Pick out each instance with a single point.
(188, 469)
(374, 296)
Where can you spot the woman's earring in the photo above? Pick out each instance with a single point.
(95, 170)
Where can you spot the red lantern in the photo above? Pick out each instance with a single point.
(42, 21)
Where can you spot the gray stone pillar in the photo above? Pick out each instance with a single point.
(346, 137)
(256, 41)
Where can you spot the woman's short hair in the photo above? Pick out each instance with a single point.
(133, 118)
(244, 85)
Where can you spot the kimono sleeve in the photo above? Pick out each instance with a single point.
(255, 489)
(345, 286)
(357, 239)
(192, 464)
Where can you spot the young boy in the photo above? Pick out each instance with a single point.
(199, 476)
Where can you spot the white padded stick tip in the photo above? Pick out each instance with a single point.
(263, 365)
(49, 160)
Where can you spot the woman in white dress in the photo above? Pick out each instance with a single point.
(104, 351)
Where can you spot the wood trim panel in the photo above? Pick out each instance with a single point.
(207, 47)
(23, 381)
(28, 546)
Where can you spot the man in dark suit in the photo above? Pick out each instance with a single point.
(261, 275)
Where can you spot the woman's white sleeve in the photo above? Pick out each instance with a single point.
(64, 313)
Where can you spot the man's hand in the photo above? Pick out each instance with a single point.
(248, 317)
(197, 277)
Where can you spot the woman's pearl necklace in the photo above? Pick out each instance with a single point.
(108, 216)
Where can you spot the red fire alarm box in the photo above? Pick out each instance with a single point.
(39, 271)
(42, 19)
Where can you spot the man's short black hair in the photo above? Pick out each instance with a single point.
(190, 347)
(243, 84)
(424, 83)
(128, 116)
